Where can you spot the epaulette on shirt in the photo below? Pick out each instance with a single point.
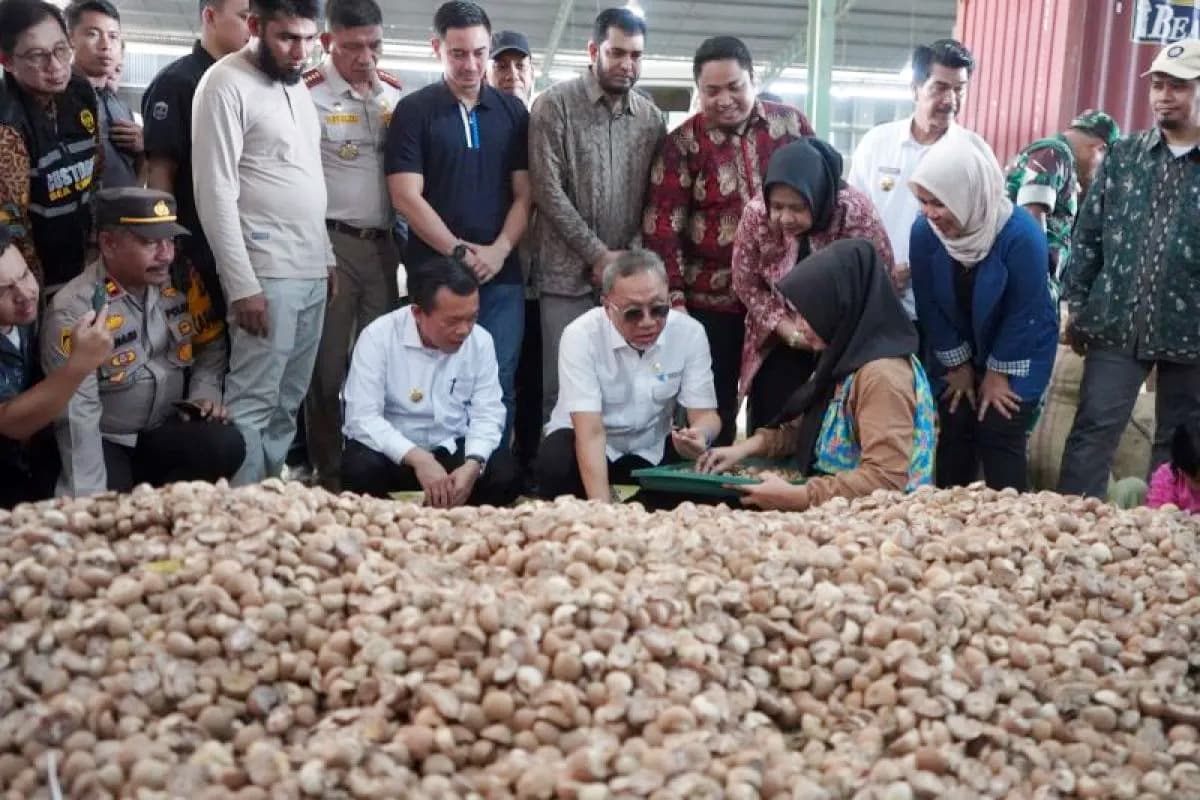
(389, 79)
(313, 77)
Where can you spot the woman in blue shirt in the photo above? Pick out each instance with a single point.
(979, 278)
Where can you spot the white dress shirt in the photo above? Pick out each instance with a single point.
(598, 372)
(401, 394)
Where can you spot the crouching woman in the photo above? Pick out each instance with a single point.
(865, 420)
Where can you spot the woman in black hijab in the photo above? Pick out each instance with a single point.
(865, 419)
(805, 206)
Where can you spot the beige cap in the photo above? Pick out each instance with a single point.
(1179, 60)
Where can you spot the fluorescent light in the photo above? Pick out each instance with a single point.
(906, 74)
(788, 87)
(870, 92)
(635, 7)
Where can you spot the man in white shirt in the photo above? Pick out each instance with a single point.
(887, 154)
(623, 369)
(423, 403)
(260, 194)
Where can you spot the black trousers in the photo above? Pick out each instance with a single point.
(28, 469)
(368, 471)
(999, 444)
(527, 422)
(1107, 394)
(195, 450)
(783, 371)
(726, 332)
(558, 472)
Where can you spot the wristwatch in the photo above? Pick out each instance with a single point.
(478, 459)
(459, 252)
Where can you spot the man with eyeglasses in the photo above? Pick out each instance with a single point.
(28, 456)
(887, 154)
(152, 412)
(49, 141)
(95, 29)
(623, 369)
(354, 100)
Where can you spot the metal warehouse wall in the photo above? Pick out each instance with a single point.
(1043, 61)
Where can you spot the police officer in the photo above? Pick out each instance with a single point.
(354, 100)
(152, 412)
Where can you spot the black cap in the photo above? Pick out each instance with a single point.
(504, 41)
(147, 211)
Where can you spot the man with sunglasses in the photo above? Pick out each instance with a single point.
(623, 369)
(50, 139)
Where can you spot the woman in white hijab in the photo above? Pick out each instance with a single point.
(979, 278)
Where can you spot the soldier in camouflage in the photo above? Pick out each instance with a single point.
(1050, 176)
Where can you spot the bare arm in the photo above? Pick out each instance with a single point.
(590, 440)
(160, 173)
(517, 218)
(406, 190)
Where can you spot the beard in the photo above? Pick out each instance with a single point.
(274, 70)
(609, 85)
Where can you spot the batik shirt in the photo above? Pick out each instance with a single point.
(1134, 276)
(700, 181)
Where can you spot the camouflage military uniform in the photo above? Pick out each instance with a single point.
(1044, 173)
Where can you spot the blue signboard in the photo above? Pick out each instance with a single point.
(1165, 21)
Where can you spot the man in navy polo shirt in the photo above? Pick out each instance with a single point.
(457, 166)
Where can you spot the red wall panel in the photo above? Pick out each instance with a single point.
(1040, 62)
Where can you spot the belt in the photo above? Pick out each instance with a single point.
(357, 233)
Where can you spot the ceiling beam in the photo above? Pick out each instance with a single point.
(556, 33)
(796, 48)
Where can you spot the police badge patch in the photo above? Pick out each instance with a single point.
(159, 112)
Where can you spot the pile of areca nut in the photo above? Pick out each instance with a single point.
(281, 641)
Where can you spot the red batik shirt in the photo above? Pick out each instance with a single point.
(701, 179)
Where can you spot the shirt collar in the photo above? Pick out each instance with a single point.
(340, 86)
(205, 58)
(1156, 138)
(595, 94)
(910, 139)
(409, 335)
(484, 95)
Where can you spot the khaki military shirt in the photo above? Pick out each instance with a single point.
(158, 337)
(353, 129)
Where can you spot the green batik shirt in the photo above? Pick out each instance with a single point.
(1044, 174)
(1134, 275)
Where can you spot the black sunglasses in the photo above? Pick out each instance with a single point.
(656, 312)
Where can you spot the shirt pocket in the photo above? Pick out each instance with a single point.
(666, 387)
(614, 394)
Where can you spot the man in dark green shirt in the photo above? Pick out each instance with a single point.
(1133, 282)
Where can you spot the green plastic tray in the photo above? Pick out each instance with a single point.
(679, 479)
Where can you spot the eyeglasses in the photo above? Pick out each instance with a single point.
(63, 53)
(631, 314)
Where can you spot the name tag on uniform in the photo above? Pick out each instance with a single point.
(342, 119)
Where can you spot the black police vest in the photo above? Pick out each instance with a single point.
(62, 158)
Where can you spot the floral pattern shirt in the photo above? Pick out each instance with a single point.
(762, 255)
(700, 181)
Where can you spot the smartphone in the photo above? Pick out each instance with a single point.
(99, 296)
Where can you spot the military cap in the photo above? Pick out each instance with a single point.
(1098, 124)
(504, 41)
